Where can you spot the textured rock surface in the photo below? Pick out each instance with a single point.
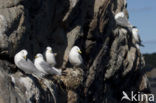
(112, 62)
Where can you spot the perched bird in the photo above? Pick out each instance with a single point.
(25, 64)
(122, 21)
(50, 56)
(136, 36)
(44, 67)
(74, 56)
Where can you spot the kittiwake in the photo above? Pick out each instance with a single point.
(50, 56)
(136, 36)
(122, 21)
(74, 56)
(25, 64)
(44, 67)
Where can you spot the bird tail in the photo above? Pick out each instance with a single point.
(56, 71)
(38, 74)
(141, 45)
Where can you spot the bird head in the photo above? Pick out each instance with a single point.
(24, 53)
(49, 49)
(77, 49)
(120, 14)
(39, 55)
(135, 29)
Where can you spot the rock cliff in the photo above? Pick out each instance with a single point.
(112, 63)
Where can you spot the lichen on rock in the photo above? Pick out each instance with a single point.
(112, 61)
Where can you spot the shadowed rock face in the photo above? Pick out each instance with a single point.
(112, 62)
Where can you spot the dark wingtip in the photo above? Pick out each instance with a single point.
(141, 43)
(134, 26)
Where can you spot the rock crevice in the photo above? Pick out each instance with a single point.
(112, 61)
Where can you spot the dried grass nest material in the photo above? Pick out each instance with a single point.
(73, 78)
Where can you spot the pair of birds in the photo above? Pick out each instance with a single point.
(41, 67)
(122, 21)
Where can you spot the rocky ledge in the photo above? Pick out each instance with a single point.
(113, 63)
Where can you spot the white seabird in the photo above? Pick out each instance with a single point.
(74, 56)
(44, 67)
(25, 64)
(50, 56)
(122, 21)
(136, 36)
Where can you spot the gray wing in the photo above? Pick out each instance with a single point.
(140, 41)
(35, 71)
(27, 66)
(30, 63)
(80, 57)
(48, 68)
(123, 21)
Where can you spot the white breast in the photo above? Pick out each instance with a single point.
(50, 58)
(135, 34)
(17, 58)
(75, 58)
(37, 63)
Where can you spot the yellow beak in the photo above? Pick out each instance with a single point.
(79, 51)
(35, 56)
(25, 57)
